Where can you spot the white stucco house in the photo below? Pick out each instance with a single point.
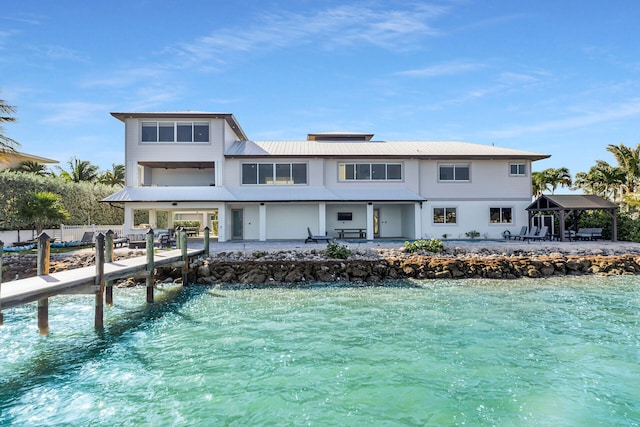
(345, 184)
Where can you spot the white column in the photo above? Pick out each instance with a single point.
(322, 218)
(153, 218)
(222, 223)
(127, 227)
(204, 221)
(418, 220)
(262, 222)
(370, 221)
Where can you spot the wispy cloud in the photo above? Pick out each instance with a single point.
(329, 29)
(67, 113)
(616, 112)
(444, 69)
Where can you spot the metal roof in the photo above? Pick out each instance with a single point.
(258, 194)
(171, 194)
(387, 149)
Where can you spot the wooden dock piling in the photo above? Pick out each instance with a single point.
(150, 273)
(108, 257)
(1, 256)
(206, 240)
(99, 315)
(43, 266)
(185, 258)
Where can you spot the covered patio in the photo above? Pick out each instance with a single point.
(565, 205)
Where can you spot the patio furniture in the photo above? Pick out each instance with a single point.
(541, 235)
(316, 239)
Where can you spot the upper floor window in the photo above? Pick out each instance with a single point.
(517, 169)
(500, 215)
(453, 172)
(274, 173)
(370, 171)
(175, 132)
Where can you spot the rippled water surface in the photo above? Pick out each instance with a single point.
(561, 352)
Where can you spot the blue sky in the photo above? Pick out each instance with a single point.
(555, 77)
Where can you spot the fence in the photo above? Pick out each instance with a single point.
(69, 233)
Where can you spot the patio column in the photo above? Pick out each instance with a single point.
(128, 219)
(153, 218)
(417, 219)
(262, 222)
(322, 218)
(222, 223)
(370, 221)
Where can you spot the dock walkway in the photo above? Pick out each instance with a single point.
(81, 280)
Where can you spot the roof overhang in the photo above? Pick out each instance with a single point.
(185, 115)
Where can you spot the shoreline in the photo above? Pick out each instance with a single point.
(264, 263)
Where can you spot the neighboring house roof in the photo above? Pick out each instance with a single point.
(173, 115)
(571, 202)
(11, 159)
(388, 149)
(255, 194)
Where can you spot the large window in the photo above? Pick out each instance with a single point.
(370, 171)
(500, 216)
(444, 215)
(517, 169)
(453, 172)
(274, 173)
(175, 132)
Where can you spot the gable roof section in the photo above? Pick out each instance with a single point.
(10, 159)
(186, 115)
(391, 149)
(571, 202)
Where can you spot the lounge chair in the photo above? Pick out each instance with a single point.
(542, 234)
(316, 239)
(523, 232)
(87, 238)
(533, 232)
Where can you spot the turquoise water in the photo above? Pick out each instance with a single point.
(558, 352)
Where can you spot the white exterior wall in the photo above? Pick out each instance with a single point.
(290, 220)
(489, 179)
(473, 215)
(136, 151)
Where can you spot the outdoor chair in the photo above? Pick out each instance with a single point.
(542, 234)
(316, 239)
(533, 232)
(523, 232)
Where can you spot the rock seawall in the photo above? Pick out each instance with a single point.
(301, 267)
(210, 271)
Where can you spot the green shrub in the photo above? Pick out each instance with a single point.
(431, 245)
(335, 250)
(473, 234)
(259, 254)
(186, 223)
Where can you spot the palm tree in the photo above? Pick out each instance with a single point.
(29, 166)
(42, 208)
(557, 177)
(541, 181)
(6, 144)
(114, 177)
(603, 180)
(629, 161)
(79, 170)
(538, 183)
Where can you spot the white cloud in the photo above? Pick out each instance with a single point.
(73, 113)
(615, 112)
(444, 69)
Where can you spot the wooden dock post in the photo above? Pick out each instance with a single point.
(99, 318)
(43, 266)
(185, 258)
(1, 256)
(206, 241)
(150, 279)
(108, 257)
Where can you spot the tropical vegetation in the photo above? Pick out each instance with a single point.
(6, 116)
(42, 208)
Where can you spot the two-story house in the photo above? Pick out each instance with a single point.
(343, 184)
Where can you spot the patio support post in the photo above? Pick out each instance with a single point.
(262, 222)
(369, 221)
(43, 265)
